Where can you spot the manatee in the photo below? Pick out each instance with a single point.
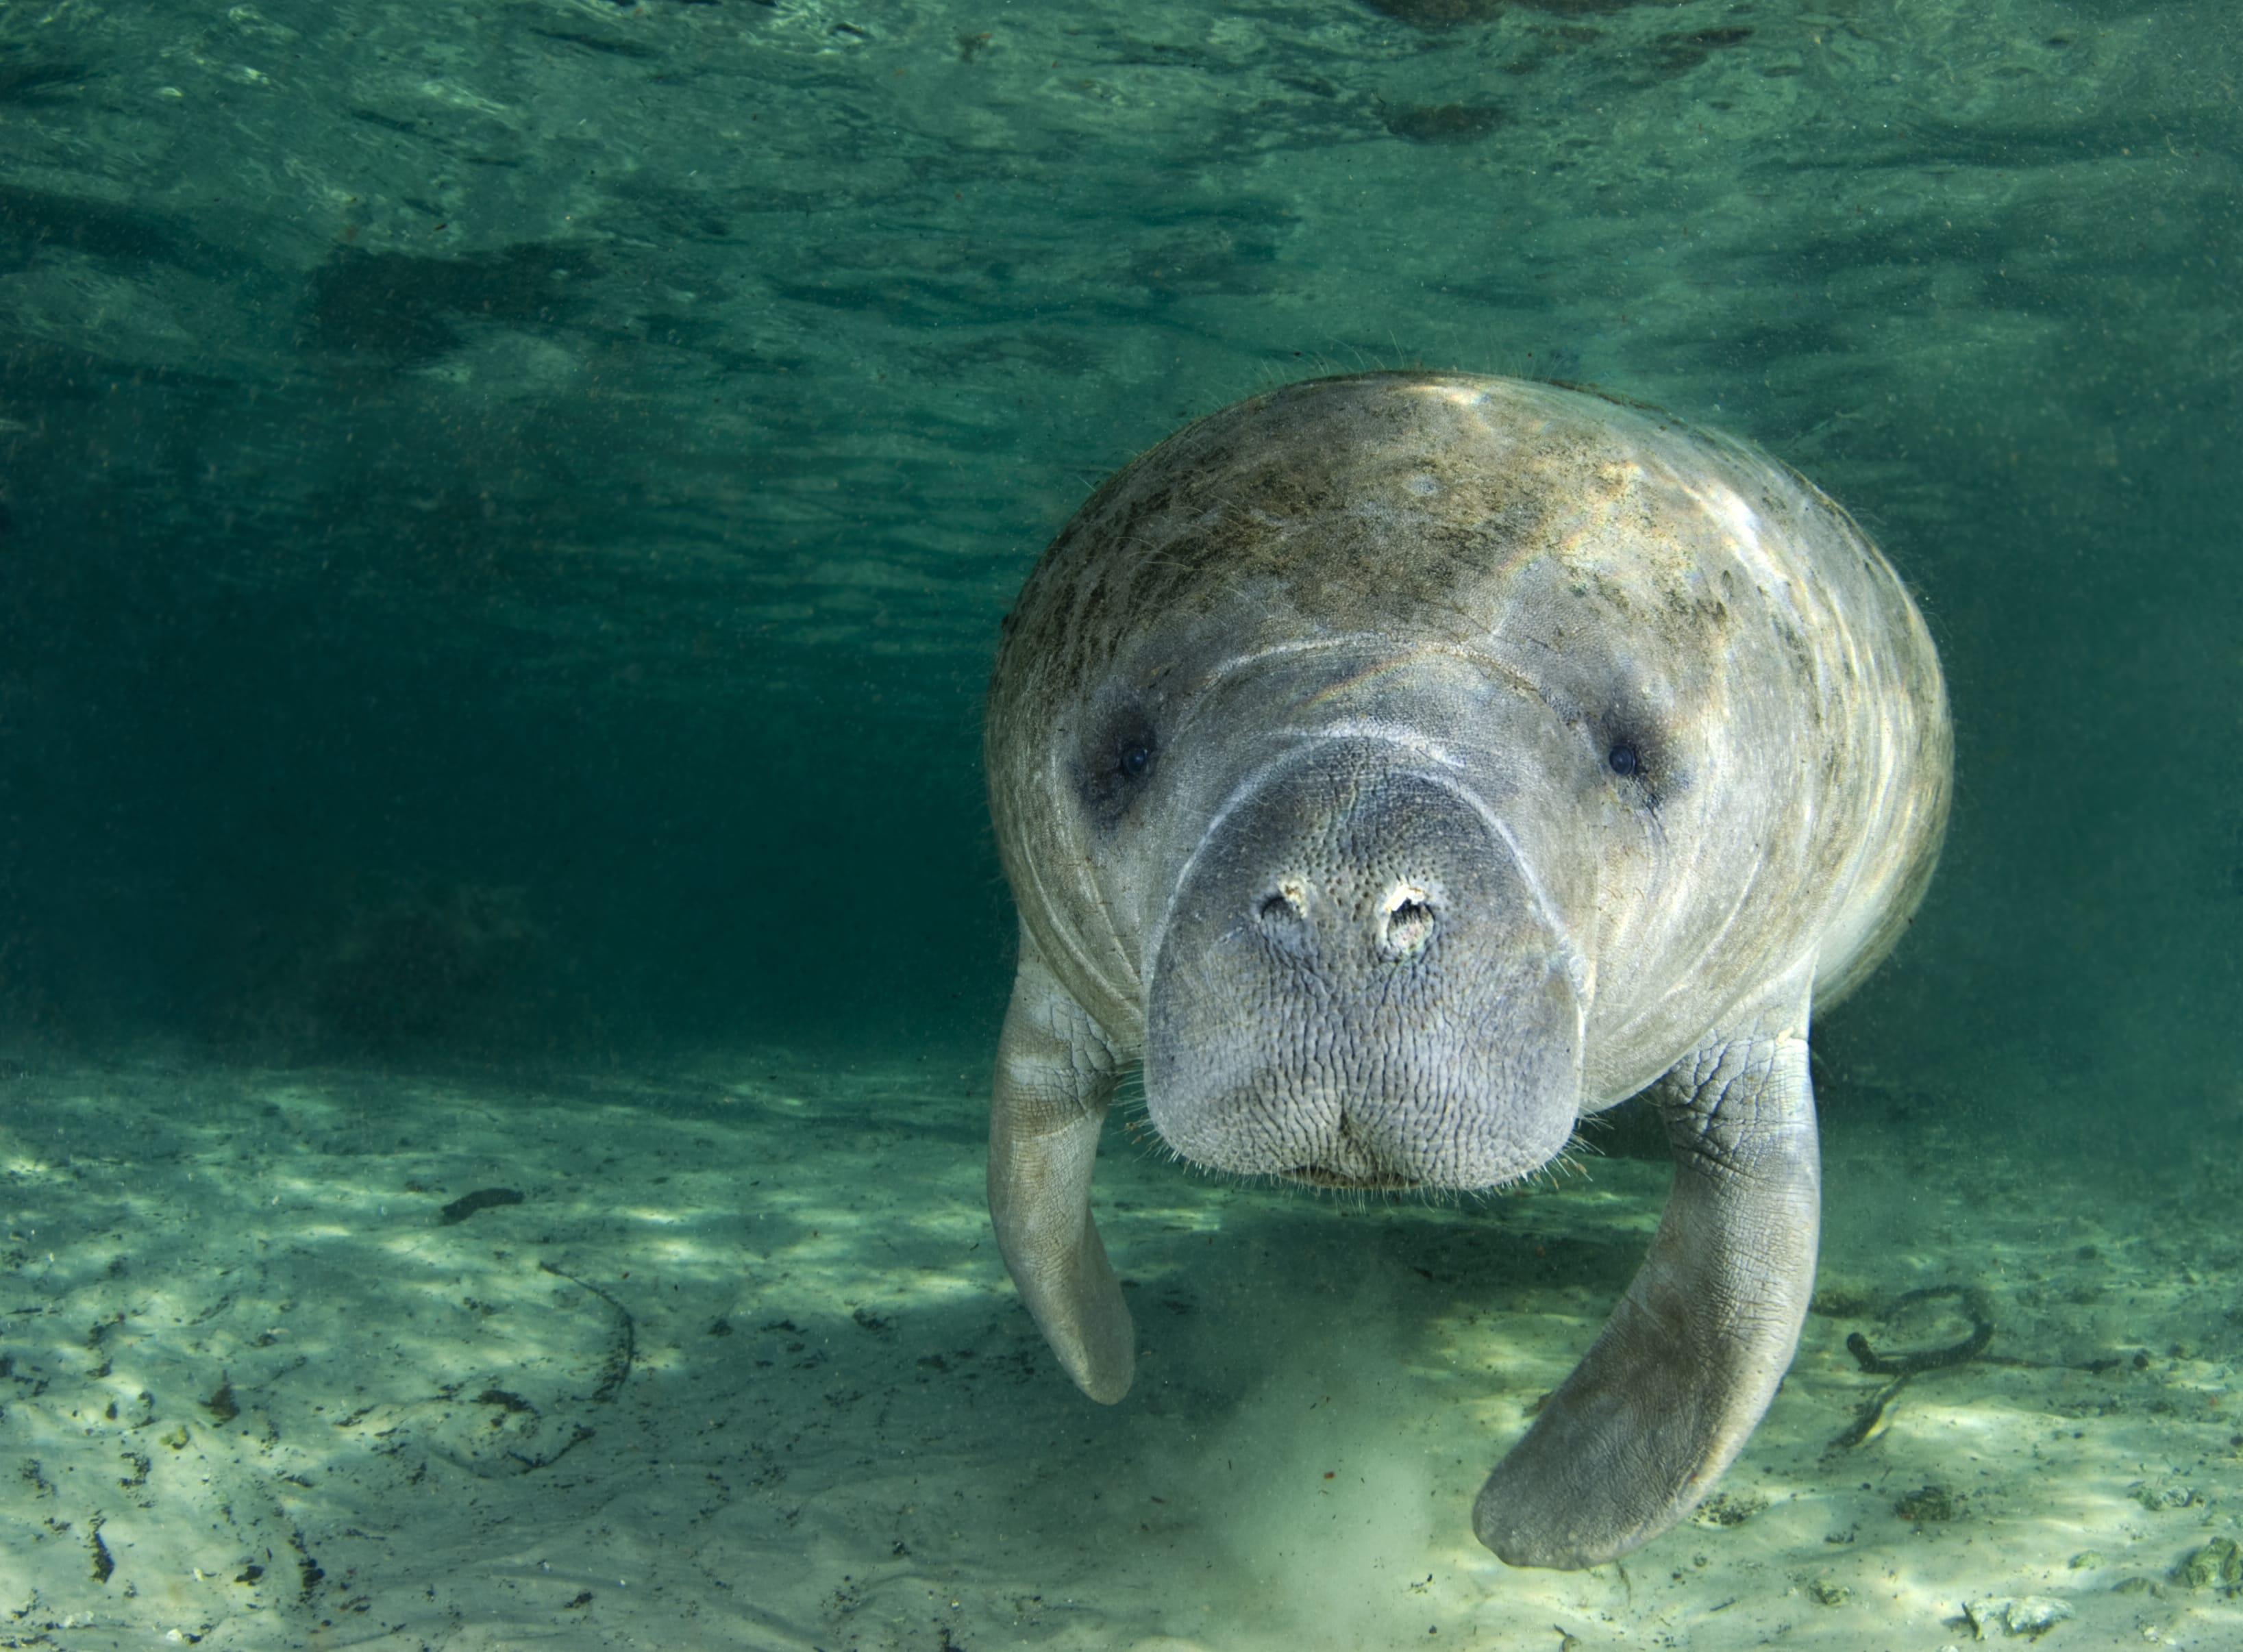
(1400, 767)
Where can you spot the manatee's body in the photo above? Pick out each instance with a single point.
(1402, 766)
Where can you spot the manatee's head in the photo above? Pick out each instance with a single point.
(1354, 974)
(1348, 884)
(1325, 746)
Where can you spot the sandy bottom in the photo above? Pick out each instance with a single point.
(740, 1369)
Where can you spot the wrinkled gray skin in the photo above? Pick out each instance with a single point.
(1403, 766)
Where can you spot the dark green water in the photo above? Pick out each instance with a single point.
(582, 452)
(505, 510)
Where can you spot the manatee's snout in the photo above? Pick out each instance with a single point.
(1357, 984)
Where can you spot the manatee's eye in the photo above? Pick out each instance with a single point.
(1624, 759)
(1115, 763)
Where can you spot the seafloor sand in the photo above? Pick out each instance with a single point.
(741, 1370)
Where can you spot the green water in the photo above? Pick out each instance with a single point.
(505, 509)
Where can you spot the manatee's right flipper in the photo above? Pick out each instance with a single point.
(1055, 1076)
(1691, 1357)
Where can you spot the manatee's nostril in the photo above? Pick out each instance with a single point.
(1405, 921)
(1408, 925)
(1286, 909)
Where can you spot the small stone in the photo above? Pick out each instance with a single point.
(2029, 1615)
(1830, 1594)
(2219, 1564)
(2158, 1499)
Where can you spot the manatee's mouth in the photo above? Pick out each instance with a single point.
(1317, 1176)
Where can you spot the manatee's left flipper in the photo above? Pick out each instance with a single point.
(1690, 1358)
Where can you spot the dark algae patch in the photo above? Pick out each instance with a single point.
(482, 1200)
(402, 310)
(221, 1404)
(1445, 122)
(1928, 1503)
